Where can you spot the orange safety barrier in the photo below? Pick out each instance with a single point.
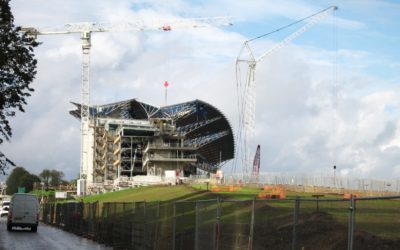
(272, 192)
(268, 187)
(348, 195)
(230, 188)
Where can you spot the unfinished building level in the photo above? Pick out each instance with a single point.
(132, 138)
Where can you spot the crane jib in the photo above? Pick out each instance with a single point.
(85, 29)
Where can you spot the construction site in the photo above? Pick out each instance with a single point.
(133, 143)
(134, 155)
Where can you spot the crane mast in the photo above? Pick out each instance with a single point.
(86, 29)
(85, 102)
(247, 102)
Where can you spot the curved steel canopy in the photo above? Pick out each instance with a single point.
(203, 125)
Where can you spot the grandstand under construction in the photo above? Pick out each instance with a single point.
(132, 138)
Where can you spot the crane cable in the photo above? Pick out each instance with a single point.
(291, 24)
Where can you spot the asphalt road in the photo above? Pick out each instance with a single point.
(46, 238)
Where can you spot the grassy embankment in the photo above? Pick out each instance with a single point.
(153, 193)
(376, 217)
(373, 216)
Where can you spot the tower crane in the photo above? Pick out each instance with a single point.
(247, 97)
(86, 29)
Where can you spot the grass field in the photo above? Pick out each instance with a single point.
(380, 217)
(153, 193)
(194, 215)
(376, 217)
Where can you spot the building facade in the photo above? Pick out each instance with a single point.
(132, 138)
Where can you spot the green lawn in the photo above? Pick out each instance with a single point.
(171, 193)
(153, 193)
(376, 217)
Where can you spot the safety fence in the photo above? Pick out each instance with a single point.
(307, 181)
(312, 223)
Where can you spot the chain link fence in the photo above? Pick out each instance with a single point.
(305, 181)
(184, 225)
(312, 223)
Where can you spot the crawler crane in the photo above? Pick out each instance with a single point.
(247, 92)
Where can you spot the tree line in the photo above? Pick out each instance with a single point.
(20, 177)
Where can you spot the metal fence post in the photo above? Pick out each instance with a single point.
(144, 223)
(353, 220)
(196, 232)
(295, 221)
(217, 225)
(174, 227)
(250, 247)
(97, 220)
(156, 226)
(351, 223)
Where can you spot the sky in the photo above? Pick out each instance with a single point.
(329, 97)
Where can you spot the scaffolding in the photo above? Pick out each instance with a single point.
(132, 139)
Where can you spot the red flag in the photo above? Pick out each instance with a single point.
(166, 84)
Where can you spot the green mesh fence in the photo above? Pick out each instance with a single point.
(235, 224)
(184, 225)
(206, 224)
(273, 224)
(377, 224)
(312, 223)
(322, 223)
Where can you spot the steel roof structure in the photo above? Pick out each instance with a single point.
(203, 125)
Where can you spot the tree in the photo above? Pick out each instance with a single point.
(17, 71)
(51, 177)
(45, 176)
(28, 182)
(4, 163)
(19, 177)
(56, 178)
